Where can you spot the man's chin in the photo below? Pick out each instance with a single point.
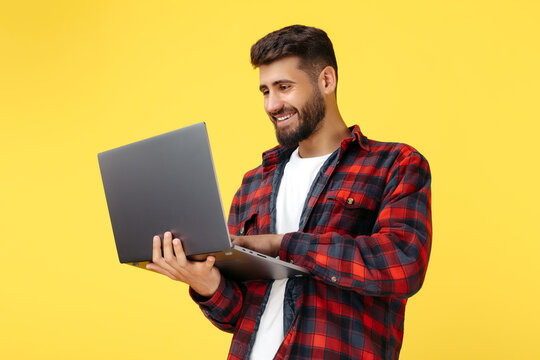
(286, 139)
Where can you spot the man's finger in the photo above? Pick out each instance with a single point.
(210, 261)
(167, 248)
(158, 259)
(156, 249)
(237, 240)
(179, 251)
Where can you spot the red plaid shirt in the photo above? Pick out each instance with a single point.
(365, 236)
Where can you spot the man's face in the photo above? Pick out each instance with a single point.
(292, 101)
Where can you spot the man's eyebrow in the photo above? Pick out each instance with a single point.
(277, 82)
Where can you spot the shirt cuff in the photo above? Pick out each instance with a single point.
(209, 302)
(294, 249)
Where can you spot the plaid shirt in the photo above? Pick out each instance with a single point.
(365, 236)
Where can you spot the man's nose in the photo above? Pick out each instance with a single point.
(273, 103)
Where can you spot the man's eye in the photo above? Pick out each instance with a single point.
(284, 87)
(264, 92)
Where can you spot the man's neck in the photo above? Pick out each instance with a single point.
(326, 139)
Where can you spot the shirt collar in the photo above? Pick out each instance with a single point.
(276, 155)
(281, 153)
(356, 136)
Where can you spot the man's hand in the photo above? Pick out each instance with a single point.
(202, 276)
(267, 244)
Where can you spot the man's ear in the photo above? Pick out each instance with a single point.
(328, 80)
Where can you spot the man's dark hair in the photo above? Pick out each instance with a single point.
(310, 44)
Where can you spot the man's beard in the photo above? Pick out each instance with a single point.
(309, 118)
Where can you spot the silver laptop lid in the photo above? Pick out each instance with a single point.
(166, 182)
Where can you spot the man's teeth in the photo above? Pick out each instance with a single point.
(284, 117)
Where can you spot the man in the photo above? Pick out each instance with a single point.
(355, 212)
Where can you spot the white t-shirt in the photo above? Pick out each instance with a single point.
(297, 178)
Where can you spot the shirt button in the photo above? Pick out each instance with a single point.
(291, 261)
(350, 201)
(242, 231)
(333, 278)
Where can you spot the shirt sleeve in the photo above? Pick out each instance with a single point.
(392, 261)
(223, 308)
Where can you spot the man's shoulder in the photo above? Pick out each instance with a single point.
(253, 175)
(270, 158)
(375, 149)
(394, 150)
(381, 157)
(252, 179)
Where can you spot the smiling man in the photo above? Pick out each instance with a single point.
(353, 211)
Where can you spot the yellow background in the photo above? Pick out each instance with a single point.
(459, 80)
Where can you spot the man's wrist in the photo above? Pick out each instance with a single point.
(205, 296)
(278, 238)
(207, 290)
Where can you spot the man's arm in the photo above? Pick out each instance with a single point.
(390, 262)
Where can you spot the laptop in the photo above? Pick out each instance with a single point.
(168, 183)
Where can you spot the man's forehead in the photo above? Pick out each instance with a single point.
(285, 68)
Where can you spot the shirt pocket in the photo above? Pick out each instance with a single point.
(351, 212)
(248, 226)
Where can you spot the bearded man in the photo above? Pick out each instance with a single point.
(353, 211)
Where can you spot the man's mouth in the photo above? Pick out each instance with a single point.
(284, 119)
